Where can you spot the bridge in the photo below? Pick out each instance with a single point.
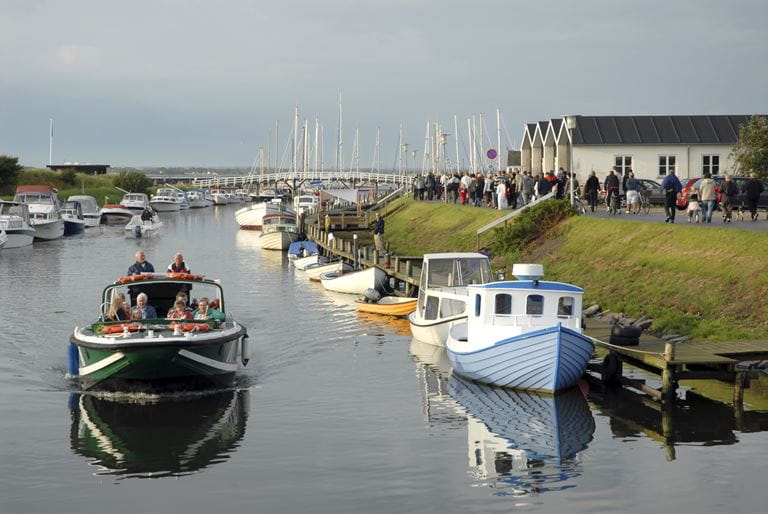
(292, 178)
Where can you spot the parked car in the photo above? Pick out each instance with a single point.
(741, 183)
(656, 195)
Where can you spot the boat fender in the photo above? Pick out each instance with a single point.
(631, 331)
(245, 350)
(612, 368)
(73, 361)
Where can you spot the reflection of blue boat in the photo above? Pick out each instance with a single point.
(527, 441)
(302, 249)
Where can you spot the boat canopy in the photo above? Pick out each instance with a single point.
(88, 203)
(308, 248)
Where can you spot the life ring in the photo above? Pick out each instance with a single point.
(134, 278)
(120, 328)
(189, 327)
(184, 276)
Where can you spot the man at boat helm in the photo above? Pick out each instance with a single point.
(378, 233)
(142, 265)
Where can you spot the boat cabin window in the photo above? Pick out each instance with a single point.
(432, 304)
(565, 306)
(503, 304)
(450, 307)
(534, 305)
(441, 273)
(474, 271)
(458, 272)
(477, 305)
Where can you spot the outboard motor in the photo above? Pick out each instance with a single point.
(137, 230)
(371, 295)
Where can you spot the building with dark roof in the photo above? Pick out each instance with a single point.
(649, 145)
(89, 169)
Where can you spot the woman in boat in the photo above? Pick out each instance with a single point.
(117, 311)
(205, 312)
(178, 265)
(179, 311)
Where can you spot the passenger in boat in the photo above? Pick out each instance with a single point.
(146, 215)
(205, 312)
(136, 313)
(142, 265)
(181, 295)
(146, 311)
(117, 310)
(179, 311)
(178, 265)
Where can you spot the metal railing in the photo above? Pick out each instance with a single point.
(286, 176)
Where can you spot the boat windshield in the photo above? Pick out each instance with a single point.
(34, 198)
(162, 294)
(458, 272)
(12, 209)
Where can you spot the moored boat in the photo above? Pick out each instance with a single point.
(388, 306)
(304, 262)
(315, 270)
(3, 238)
(302, 249)
(115, 214)
(159, 354)
(278, 231)
(444, 274)
(165, 200)
(354, 282)
(198, 199)
(523, 334)
(251, 217)
(135, 202)
(90, 209)
(72, 214)
(14, 220)
(44, 210)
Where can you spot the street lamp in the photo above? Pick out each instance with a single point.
(570, 124)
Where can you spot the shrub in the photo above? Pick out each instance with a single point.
(133, 182)
(9, 174)
(529, 225)
(68, 176)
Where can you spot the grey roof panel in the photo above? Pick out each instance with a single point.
(608, 131)
(628, 132)
(647, 130)
(704, 128)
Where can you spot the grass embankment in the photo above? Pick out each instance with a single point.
(415, 228)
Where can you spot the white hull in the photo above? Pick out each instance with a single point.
(165, 206)
(92, 220)
(432, 332)
(302, 263)
(315, 272)
(251, 217)
(19, 237)
(115, 215)
(279, 240)
(50, 230)
(355, 282)
(198, 203)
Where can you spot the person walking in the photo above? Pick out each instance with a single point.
(708, 196)
(591, 189)
(501, 195)
(752, 193)
(632, 187)
(378, 233)
(611, 187)
(730, 194)
(672, 187)
(526, 188)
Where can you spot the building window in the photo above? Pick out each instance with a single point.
(666, 163)
(623, 163)
(565, 306)
(710, 164)
(503, 304)
(534, 305)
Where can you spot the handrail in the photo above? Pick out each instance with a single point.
(386, 178)
(514, 213)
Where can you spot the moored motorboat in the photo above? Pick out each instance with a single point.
(315, 270)
(3, 238)
(198, 199)
(278, 231)
(304, 262)
(219, 197)
(165, 200)
(72, 214)
(445, 274)
(388, 306)
(90, 209)
(44, 210)
(251, 217)
(523, 334)
(14, 220)
(183, 202)
(159, 354)
(301, 249)
(135, 202)
(115, 214)
(354, 282)
(140, 227)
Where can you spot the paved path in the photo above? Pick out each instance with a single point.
(657, 216)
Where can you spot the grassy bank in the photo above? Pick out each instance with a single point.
(709, 283)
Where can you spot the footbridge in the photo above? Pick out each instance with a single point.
(294, 179)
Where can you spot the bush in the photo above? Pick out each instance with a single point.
(9, 174)
(68, 176)
(133, 182)
(529, 225)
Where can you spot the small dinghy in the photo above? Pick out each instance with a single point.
(523, 334)
(354, 282)
(304, 262)
(300, 249)
(143, 228)
(315, 270)
(388, 306)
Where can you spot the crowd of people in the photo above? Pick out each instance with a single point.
(121, 310)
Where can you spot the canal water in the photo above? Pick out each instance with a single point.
(337, 412)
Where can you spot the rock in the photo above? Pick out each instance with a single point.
(680, 339)
(592, 310)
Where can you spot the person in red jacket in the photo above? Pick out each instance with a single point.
(178, 265)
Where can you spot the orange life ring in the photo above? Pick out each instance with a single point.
(189, 327)
(184, 276)
(120, 327)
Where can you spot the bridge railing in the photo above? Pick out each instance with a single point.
(325, 176)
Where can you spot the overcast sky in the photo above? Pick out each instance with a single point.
(191, 82)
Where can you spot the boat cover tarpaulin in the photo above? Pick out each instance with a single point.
(309, 247)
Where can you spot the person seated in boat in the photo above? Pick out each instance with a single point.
(135, 313)
(179, 311)
(146, 214)
(117, 310)
(146, 310)
(178, 265)
(182, 295)
(205, 312)
(142, 265)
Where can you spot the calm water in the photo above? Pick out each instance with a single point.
(336, 412)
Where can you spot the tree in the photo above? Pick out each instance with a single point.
(68, 176)
(134, 182)
(750, 153)
(9, 174)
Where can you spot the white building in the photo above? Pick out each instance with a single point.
(648, 145)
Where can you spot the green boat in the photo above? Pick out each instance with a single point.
(158, 355)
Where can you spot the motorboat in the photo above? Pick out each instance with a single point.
(523, 334)
(14, 220)
(199, 199)
(74, 221)
(242, 195)
(301, 249)
(139, 227)
(388, 306)
(278, 231)
(90, 209)
(115, 214)
(315, 270)
(354, 282)
(150, 355)
(3, 238)
(219, 197)
(44, 210)
(304, 262)
(165, 200)
(157, 435)
(251, 217)
(304, 203)
(444, 274)
(183, 202)
(135, 202)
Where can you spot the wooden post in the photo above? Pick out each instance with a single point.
(397, 264)
(668, 374)
(367, 253)
(668, 431)
(375, 257)
(356, 253)
(740, 382)
(343, 223)
(408, 271)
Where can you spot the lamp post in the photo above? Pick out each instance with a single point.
(570, 124)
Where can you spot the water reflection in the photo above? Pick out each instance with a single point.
(519, 443)
(160, 437)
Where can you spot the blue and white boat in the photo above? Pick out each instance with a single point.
(302, 249)
(72, 214)
(523, 334)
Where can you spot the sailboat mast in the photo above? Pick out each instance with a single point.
(295, 139)
(340, 140)
(317, 140)
(498, 138)
(50, 145)
(456, 131)
(277, 144)
(471, 144)
(305, 159)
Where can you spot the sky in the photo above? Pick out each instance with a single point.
(201, 83)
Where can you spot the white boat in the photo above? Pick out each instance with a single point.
(251, 217)
(72, 214)
(165, 200)
(183, 202)
(523, 334)
(242, 195)
(278, 231)
(304, 203)
(199, 199)
(219, 197)
(135, 202)
(90, 208)
(115, 214)
(315, 270)
(14, 220)
(445, 274)
(354, 282)
(44, 210)
(304, 262)
(143, 228)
